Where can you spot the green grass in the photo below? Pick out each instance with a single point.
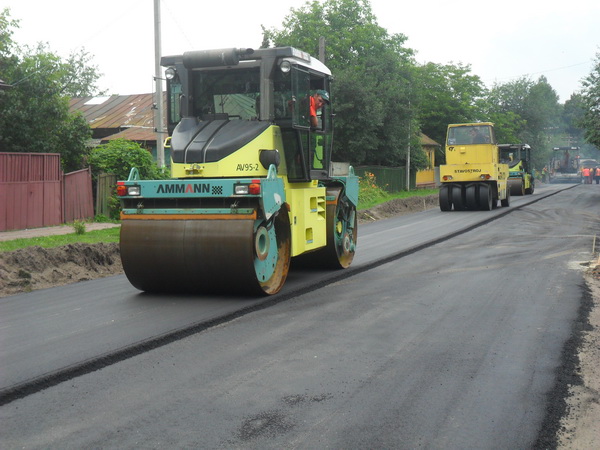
(89, 237)
(375, 198)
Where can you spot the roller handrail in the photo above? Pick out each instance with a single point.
(134, 174)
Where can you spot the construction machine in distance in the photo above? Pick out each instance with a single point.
(521, 178)
(473, 177)
(252, 182)
(565, 165)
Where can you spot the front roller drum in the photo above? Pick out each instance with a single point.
(207, 255)
(516, 186)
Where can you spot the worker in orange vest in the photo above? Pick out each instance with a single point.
(597, 175)
(586, 175)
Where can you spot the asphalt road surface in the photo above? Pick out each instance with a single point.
(447, 332)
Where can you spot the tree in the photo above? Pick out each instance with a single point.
(446, 94)
(6, 31)
(591, 100)
(526, 112)
(34, 113)
(373, 74)
(572, 116)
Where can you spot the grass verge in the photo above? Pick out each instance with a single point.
(89, 237)
(383, 196)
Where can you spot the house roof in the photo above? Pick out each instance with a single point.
(426, 140)
(130, 116)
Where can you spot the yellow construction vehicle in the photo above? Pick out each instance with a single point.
(473, 177)
(253, 184)
(521, 178)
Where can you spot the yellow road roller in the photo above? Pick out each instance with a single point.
(252, 184)
(474, 177)
(521, 179)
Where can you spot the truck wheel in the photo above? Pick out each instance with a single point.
(471, 197)
(444, 198)
(485, 198)
(457, 198)
(506, 201)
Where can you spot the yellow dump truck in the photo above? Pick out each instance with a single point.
(474, 177)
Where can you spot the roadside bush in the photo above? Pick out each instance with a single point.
(368, 191)
(79, 227)
(119, 156)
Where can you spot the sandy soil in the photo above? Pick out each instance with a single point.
(38, 268)
(580, 427)
(33, 268)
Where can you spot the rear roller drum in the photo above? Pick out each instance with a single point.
(342, 228)
(342, 234)
(530, 190)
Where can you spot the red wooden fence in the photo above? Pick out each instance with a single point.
(32, 192)
(78, 198)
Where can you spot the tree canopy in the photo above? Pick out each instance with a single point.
(526, 112)
(373, 77)
(384, 99)
(590, 97)
(34, 112)
(446, 93)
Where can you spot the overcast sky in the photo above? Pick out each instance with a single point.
(501, 41)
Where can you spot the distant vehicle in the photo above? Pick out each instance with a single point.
(588, 163)
(520, 177)
(565, 166)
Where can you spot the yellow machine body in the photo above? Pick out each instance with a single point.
(306, 202)
(474, 177)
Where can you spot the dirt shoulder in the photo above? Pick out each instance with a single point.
(398, 207)
(35, 268)
(39, 268)
(580, 426)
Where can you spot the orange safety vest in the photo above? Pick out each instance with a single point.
(598, 171)
(586, 172)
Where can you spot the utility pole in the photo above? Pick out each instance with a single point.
(409, 135)
(322, 49)
(158, 99)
